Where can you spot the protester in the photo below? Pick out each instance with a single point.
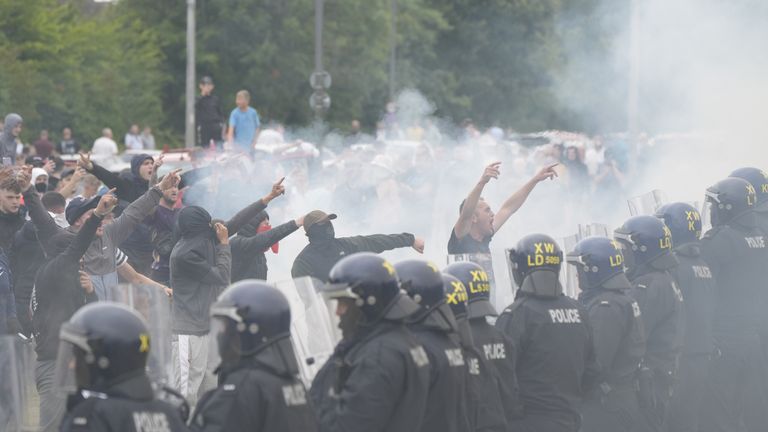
(325, 250)
(244, 124)
(147, 139)
(253, 241)
(9, 137)
(133, 139)
(208, 115)
(68, 145)
(61, 287)
(104, 146)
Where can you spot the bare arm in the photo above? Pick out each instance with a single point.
(462, 226)
(127, 272)
(514, 202)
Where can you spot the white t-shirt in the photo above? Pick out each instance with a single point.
(104, 147)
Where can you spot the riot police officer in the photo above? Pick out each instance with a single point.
(555, 351)
(106, 345)
(617, 331)
(258, 385)
(378, 377)
(491, 341)
(434, 325)
(694, 278)
(484, 409)
(647, 247)
(735, 249)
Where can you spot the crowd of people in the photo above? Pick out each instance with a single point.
(667, 333)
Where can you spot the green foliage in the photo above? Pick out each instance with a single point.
(504, 62)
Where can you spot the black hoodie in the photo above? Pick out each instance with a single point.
(248, 247)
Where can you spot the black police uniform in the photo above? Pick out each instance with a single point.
(379, 384)
(129, 406)
(696, 282)
(620, 344)
(260, 394)
(378, 378)
(737, 256)
(555, 361)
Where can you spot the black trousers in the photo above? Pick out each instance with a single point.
(683, 415)
(617, 411)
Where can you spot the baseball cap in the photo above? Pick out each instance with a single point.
(317, 216)
(206, 80)
(78, 206)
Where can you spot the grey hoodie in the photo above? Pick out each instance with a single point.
(7, 140)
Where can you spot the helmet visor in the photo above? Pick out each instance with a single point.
(72, 360)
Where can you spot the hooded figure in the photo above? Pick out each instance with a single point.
(250, 244)
(8, 139)
(43, 186)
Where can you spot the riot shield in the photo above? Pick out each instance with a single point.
(155, 307)
(314, 327)
(568, 275)
(593, 229)
(18, 394)
(501, 295)
(647, 204)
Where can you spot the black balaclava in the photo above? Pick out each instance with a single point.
(320, 233)
(41, 187)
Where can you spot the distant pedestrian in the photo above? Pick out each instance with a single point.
(67, 145)
(104, 146)
(133, 139)
(244, 124)
(208, 115)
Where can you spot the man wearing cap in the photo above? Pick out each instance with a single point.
(208, 115)
(99, 260)
(324, 249)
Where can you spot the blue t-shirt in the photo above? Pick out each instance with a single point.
(245, 124)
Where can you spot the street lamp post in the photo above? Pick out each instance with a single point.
(393, 50)
(189, 114)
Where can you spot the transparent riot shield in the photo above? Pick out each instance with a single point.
(314, 328)
(18, 395)
(155, 307)
(647, 204)
(593, 229)
(568, 275)
(501, 295)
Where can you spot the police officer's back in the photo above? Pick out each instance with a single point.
(434, 326)
(378, 377)
(493, 344)
(109, 345)
(259, 389)
(647, 247)
(553, 340)
(696, 283)
(618, 334)
(484, 406)
(735, 249)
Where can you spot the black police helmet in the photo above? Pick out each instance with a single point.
(455, 296)
(372, 282)
(258, 313)
(111, 340)
(536, 262)
(478, 285)
(729, 199)
(423, 282)
(599, 264)
(758, 179)
(683, 220)
(645, 240)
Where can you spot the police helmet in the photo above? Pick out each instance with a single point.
(108, 342)
(536, 262)
(758, 179)
(683, 220)
(255, 315)
(646, 241)
(371, 281)
(599, 264)
(423, 282)
(455, 296)
(729, 199)
(478, 286)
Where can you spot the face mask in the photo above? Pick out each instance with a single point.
(60, 219)
(322, 232)
(266, 227)
(41, 187)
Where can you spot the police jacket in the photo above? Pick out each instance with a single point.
(618, 334)
(258, 395)
(379, 384)
(57, 294)
(661, 306)
(446, 400)
(696, 282)
(555, 358)
(498, 351)
(248, 247)
(485, 411)
(737, 256)
(128, 405)
(318, 257)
